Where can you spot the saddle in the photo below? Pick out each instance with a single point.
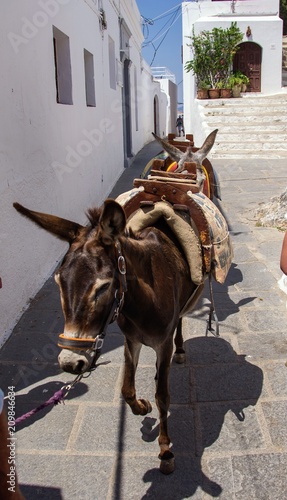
(163, 164)
(197, 223)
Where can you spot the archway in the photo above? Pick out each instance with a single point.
(248, 60)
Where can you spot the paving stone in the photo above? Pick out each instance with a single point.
(126, 431)
(242, 253)
(277, 376)
(265, 321)
(229, 427)
(101, 385)
(228, 382)
(185, 482)
(37, 347)
(255, 276)
(49, 429)
(260, 476)
(22, 375)
(275, 416)
(55, 477)
(266, 345)
(219, 467)
(209, 350)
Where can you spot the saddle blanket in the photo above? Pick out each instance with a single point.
(221, 247)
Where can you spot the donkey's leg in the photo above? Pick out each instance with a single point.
(179, 355)
(164, 354)
(138, 406)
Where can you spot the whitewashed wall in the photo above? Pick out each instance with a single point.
(58, 158)
(266, 32)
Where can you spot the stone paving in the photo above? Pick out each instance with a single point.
(228, 401)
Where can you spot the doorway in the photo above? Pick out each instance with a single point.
(155, 115)
(248, 60)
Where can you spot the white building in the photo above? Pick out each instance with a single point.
(77, 103)
(260, 53)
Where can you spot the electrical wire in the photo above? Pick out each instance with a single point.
(174, 14)
(165, 34)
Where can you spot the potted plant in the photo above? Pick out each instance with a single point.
(225, 89)
(214, 93)
(213, 53)
(245, 82)
(202, 89)
(235, 83)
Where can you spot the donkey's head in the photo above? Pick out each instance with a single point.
(189, 155)
(88, 278)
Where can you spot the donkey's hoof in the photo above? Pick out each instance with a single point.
(166, 463)
(179, 357)
(145, 405)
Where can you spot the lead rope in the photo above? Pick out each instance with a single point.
(54, 400)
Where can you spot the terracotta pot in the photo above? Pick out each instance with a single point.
(214, 93)
(225, 93)
(202, 93)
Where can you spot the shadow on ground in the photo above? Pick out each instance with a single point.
(223, 382)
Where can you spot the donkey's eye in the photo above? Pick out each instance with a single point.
(101, 290)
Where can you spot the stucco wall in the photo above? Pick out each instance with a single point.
(59, 158)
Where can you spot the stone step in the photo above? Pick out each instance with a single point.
(251, 129)
(244, 119)
(253, 126)
(239, 154)
(226, 110)
(245, 145)
(231, 136)
(247, 102)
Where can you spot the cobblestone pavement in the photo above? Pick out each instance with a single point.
(228, 401)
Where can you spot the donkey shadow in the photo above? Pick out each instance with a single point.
(221, 381)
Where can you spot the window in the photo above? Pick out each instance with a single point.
(89, 78)
(63, 73)
(112, 63)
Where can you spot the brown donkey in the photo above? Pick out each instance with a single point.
(141, 279)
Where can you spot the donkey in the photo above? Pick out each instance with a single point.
(141, 279)
(190, 155)
(149, 304)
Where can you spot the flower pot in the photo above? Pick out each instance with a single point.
(202, 93)
(225, 93)
(214, 93)
(236, 90)
(243, 87)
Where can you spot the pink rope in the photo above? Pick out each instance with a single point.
(54, 400)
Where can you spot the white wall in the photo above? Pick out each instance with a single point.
(58, 158)
(266, 32)
(170, 90)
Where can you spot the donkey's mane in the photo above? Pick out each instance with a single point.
(93, 215)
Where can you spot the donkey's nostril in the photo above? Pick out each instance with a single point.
(80, 366)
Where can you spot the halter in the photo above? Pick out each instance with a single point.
(96, 343)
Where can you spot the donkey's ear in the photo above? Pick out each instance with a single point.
(202, 153)
(112, 222)
(173, 152)
(62, 228)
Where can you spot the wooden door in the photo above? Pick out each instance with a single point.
(248, 60)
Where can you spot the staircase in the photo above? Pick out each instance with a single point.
(253, 126)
